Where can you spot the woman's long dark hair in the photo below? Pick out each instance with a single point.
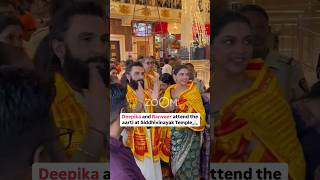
(178, 68)
(219, 22)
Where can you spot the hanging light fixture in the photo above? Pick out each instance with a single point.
(196, 12)
(162, 26)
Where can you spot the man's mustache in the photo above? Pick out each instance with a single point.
(101, 61)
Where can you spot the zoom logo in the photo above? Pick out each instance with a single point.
(162, 102)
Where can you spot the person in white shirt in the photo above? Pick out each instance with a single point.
(167, 68)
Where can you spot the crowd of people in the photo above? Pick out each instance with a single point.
(160, 152)
(261, 110)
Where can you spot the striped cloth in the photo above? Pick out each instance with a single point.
(69, 113)
(261, 116)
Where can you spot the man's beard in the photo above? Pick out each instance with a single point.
(134, 84)
(77, 71)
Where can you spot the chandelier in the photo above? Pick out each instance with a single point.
(193, 21)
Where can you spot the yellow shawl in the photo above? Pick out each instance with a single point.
(137, 137)
(188, 101)
(149, 80)
(259, 114)
(68, 113)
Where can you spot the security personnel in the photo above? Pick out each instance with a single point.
(290, 75)
(288, 71)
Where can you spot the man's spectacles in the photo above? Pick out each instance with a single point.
(62, 135)
(66, 135)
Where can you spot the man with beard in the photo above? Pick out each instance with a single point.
(288, 71)
(77, 37)
(143, 141)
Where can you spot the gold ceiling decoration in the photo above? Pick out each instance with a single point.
(124, 9)
(146, 12)
(165, 13)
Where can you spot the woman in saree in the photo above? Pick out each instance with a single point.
(185, 141)
(253, 122)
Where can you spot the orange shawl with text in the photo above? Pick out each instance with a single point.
(137, 137)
